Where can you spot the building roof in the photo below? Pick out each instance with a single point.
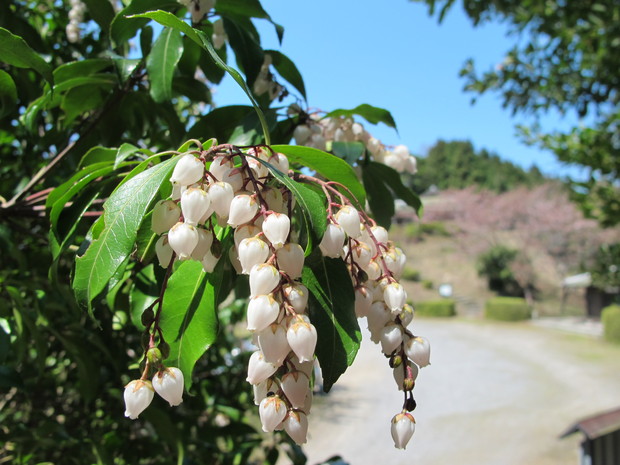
(596, 425)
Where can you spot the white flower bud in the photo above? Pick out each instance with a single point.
(378, 316)
(195, 204)
(169, 385)
(264, 279)
(234, 260)
(411, 165)
(262, 311)
(374, 146)
(349, 218)
(361, 255)
(317, 141)
(363, 301)
(164, 251)
(308, 403)
(205, 239)
(333, 240)
(395, 260)
(418, 349)
(188, 170)
(373, 270)
(273, 198)
(395, 297)
(234, 177)
(272, 411)
(394, 161)
(165, 215)
(297, 295)
(399, 373)
(262, 389)
(301, 134)
(296, 385)
(259, 369)
(245, 231)
(306, 367)
(302, 337)
(242, 209)
(273, 343)
(138, 396)
(406, 316)
(291, 260)
(280, 162)
(177, 190)
(403, 427)
(183, 238)
(296, 426)
(276, 228)
(391, 337)
(219, 166)
(209, 261)
(380, 234)
(252, 251)
(221, 195)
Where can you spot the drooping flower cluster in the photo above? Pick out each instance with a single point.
(219, 36)
(198, 8)
(265, 82)
(320, 133)
(76, 17)
(375, 265)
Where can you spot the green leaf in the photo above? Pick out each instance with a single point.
(220, 122)
(162, 62)
(101, 12)
(332, 311)
(328, 166)
(195, 90)
(380, 198)
(123, 28)
(123, 214)
(189, 315)
(8, 94)
(16, 52)
(248, 8)
(373, 115)
(80, 69)
(245, 42)
(391, 179)
(98, 154)
(288, 70)
(124, 152)
(351, 152)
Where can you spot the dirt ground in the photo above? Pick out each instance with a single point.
(496, 394)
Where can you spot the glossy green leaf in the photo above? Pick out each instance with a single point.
(288, 70)
(123, 214)
(351, 152)
(98, 154)
(80, 68)
(16, 52)
(332, 311)
(144, 291)
(327, 165)
(380, 198)
(162, 62)
(245, 42)
(123, 28)
(220, 122)
(79, 101)
(391, 178)
(189, 316)
(124, 152)
(373, 115)
(8, 94)
(195, 90)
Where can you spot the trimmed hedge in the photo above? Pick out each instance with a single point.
(507, 309)
(610, 317)
(440, 308)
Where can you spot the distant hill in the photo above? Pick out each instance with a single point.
(456, 165)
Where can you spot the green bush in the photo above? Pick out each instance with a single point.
(427, 284)
(611, 323)
(507, 309)
(437, 308)
(411, 275)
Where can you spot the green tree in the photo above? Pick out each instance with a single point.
(565, 58)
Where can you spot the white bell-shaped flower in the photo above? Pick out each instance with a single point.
(169, 385)
(301, 134)
(272, 411)
(394, 161)
(259, 369)
(380, 233)
(391, 337)
(280, 162)
(205, 240)
(317, 141)
(403, 427)
(188, 170)
(297, 295)
(235, 178)
(361, 255)
(195, 204)
(219, 166)
(302, 337)
(183, 238)
(395, 297)
(262, 311)
(373, 270)
(296, 426)
(274, 344)
(333, 240)
(411, 165)
(244, 231)
(165, 215)
(406, 316)
(261, 390)
(276, 228)
(418, 349)
(273, 198)
(410, 369)
(209, 261)
(221, 195)
(252, 251)
(264, 278)
(164, 251)
(291, 260)
(366, 239)
(295, 386)
(349, 218)
(378, 316)
(374, 145)
(138, 396)
(242, 209)
(395, 260)
(177, 190)
(308, 403)
(363, 301)
(306, 367)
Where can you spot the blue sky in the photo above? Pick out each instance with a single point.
(393, 55)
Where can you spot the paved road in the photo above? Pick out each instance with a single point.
(496, 394)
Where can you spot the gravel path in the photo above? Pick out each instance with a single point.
(497, 394)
